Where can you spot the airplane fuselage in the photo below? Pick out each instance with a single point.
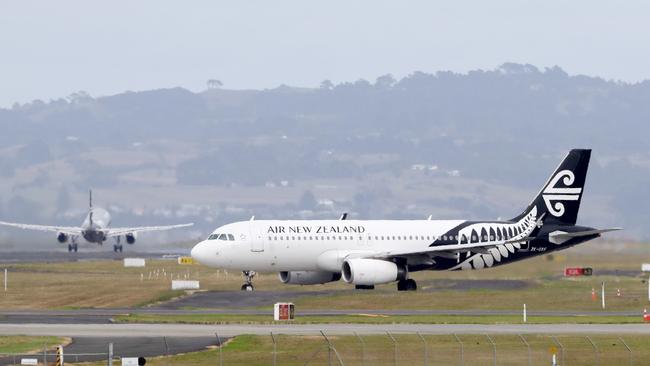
(269, 245)
(94, 225)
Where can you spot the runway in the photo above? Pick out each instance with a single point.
(105, 316)
(230, 330)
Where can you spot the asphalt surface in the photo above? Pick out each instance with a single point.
(64, 256)
(229, 330)
(83, 349)
(105, 316)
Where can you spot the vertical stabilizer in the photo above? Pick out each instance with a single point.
(559, 199)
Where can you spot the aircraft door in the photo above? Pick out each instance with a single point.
(258, 239)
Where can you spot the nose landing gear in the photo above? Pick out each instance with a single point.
(117, 246)
(248, 282)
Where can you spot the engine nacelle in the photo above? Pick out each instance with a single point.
(368, 272)
(308, 277)
(62, 238)
(130, 237)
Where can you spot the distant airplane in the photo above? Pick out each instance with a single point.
(95, 229)
(367, 253)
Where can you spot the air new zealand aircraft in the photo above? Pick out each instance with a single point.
(370, 252)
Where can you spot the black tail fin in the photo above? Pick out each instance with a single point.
(559, 199)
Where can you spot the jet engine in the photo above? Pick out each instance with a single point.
(130, 237)
(308, 277)
(62, 238)
(369, 272)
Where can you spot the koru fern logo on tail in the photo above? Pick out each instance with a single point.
(554, 196)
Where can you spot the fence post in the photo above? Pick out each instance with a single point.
(554, 338)
(629, 350)
(220, 349)
(110, 354)
(166, 350)
(395, 347)
(275, 350)
(596, 351)
(494, 349)
(530, 357)
(462, 353)
(44, 354)
(426, 351)
(331, 348)
(363, 349)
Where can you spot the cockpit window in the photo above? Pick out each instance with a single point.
(225, 237)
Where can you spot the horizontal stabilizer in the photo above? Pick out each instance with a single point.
(559, 237)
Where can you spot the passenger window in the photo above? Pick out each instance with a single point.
(231, 237)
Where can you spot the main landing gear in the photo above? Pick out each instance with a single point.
(248, 282)
(407, 285)
(72, 247)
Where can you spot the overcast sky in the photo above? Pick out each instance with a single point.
(50, 49)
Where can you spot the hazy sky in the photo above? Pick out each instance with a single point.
(49, 49)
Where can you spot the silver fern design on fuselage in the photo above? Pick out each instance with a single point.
(497, 233)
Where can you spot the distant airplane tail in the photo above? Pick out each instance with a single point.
(90, 206)
(559, 199)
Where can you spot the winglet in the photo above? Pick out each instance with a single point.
(344, 216)
(90, 199)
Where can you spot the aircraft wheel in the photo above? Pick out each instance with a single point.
(411, 285)
(69, 248)
(74, 247)
(115, 248)
(401, 285)
(247, 287)
(120, 248)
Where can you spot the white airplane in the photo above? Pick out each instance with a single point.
(370, 252)
(95, 229)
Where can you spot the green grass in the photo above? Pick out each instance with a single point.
(25, 344)
(441, 350)
(374, 319)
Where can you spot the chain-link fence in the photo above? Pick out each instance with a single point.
(383, 349)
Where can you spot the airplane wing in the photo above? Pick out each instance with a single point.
(59, 229)
(117, 231)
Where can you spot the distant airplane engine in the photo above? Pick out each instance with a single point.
(369, 272)
(308, 277)
(62, 237)
(130, 237)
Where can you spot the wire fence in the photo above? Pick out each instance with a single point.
(387, 349)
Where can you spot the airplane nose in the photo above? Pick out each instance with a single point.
(200, 252)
